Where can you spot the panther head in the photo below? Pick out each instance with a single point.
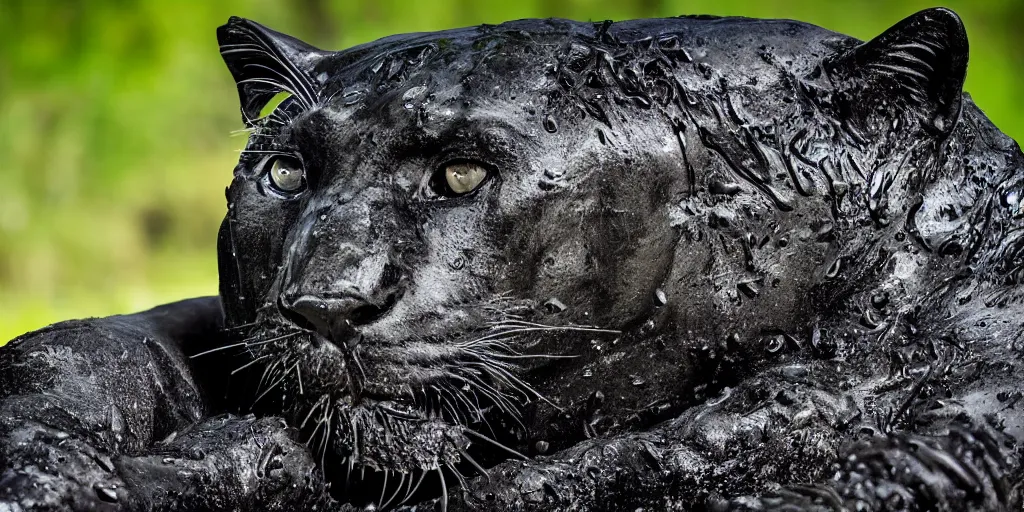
(443, 245)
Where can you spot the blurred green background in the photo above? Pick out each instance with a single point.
(116, 119)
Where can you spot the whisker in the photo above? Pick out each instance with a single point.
(395, 413)
(454, 411)
(504, 329)
(246, 343)
(326, 438)
(415, 488)
(250, 363)
(444, 490)
(239, 326)
(475, 464)
(461, 479)
(582, 328)
(323, 398)
(495, 443)
(494, 395)
(394, 495)
(458, 395)
(271, 388)
(276, 338)
(218, 349)
(523, 386)
(355, 436)
(269, 372)
(359, 364)
(530, 356)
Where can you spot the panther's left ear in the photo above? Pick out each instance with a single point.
(265, 63)
(918, 65)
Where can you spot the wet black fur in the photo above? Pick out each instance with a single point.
(717, 264)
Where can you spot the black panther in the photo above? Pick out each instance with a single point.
(694, 263)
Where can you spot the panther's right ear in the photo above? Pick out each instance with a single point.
(265, 63)
(917, 66)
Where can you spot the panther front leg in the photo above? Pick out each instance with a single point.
(745, 440)
(777, 441)
(108, 414)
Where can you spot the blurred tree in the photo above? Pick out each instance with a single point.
(116, 119)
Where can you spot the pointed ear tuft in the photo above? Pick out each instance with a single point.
(264, 63)
(918, 64)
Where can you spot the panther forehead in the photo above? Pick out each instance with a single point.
(732, 47)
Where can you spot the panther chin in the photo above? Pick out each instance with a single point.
(399, 420)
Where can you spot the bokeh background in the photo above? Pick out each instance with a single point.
(116, 121)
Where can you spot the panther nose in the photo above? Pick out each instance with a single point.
(335, 318)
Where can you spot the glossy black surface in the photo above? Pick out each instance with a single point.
(713, 264)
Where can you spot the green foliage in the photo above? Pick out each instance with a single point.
(116, 121)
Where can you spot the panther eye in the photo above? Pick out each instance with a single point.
(287, 174)
(458, 179)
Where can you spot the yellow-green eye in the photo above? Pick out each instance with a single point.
(463, 178)
(287, 174)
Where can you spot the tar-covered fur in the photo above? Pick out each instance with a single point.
(711, 263)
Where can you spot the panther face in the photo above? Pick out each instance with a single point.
(436, 241)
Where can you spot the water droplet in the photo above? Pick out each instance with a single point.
(825, 232)
(458, 263)
(105, 493)
(833, 270)
(549, 124)
(542, 447)
(749, 288)
(553, 305)
(869, 319)
(725, 394)
(1011, 199)
(414, 92)
(794, 373)
(823, 346)
(659, 296)
(721, 217)
(784, 397)
(725, 189)
(554, 174)
(642, 102)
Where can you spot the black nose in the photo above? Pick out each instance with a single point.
(335, 318)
